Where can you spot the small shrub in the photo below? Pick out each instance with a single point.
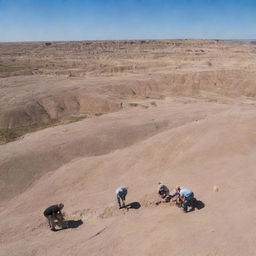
(8, 135)
(132, 104)
(73, 119)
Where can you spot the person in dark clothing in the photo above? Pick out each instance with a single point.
(164, 193)
(121, 195)
(163, 190)
(53, 213)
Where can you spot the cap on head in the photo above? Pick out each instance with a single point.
(159, 183)
(61, 205)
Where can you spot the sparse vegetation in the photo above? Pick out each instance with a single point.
(153, 103)
(98, 114)
(8, 135)
(72, 119)
(132, 104)
(4, 68)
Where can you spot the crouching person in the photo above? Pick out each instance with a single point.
(164, 193)
(121, 195)
(54, 216)
(187, 198)
(163, 190)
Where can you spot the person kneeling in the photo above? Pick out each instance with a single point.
(54, 216)
(164, 193)
(187, 198)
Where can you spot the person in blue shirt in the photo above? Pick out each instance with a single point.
(121, 193)
(186, 196)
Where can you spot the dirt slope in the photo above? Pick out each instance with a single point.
(218, 150)
(89, 138)
(181, 112)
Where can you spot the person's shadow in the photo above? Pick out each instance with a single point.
(133, 205)
(74, 223)
(70, 224)
(196, 204)
(199, 204)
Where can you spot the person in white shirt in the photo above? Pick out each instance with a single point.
(186, 196)
(121, 194)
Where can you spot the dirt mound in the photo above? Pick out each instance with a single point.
(51, 108)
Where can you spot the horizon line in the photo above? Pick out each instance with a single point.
(137, 39)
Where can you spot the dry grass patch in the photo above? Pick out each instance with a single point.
(4, 68)
(133, 104)
(153, 103)
(8, 135)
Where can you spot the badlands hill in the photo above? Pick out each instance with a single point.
(79, 119)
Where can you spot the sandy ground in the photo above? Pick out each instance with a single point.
(193, 126)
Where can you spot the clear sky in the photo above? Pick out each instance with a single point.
(43, 20)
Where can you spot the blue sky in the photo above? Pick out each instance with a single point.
(38, 20)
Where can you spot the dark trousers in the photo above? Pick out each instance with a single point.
(162, 194)
(121, 199)
(188, 202)
(55, 219)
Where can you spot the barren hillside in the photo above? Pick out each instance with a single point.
(79, 119)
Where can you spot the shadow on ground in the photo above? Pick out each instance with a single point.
(74, 223)
(133, 205)
(70, 224)
(199, 205)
